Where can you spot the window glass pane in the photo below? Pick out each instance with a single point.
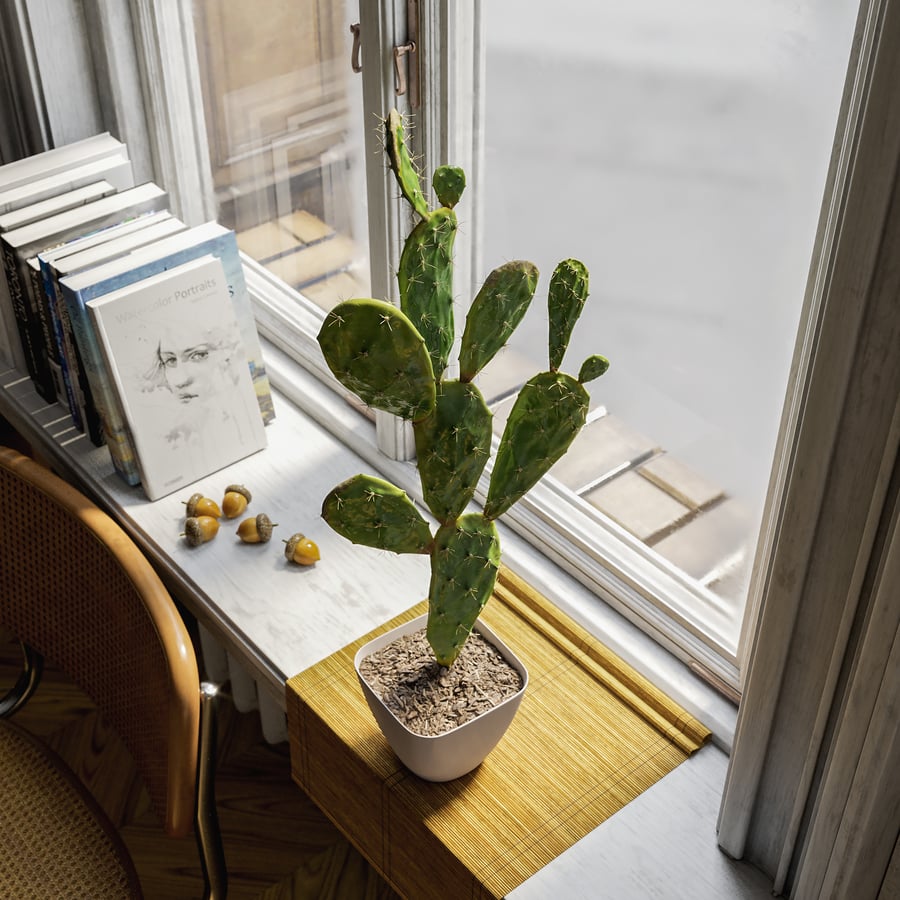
(282, 113)
(680, 151)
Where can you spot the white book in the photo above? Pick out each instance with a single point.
(58, 159)
(116, 170)
(50, 206)
(19, 175)
(172, 347)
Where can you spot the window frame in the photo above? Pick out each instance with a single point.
(827, 574)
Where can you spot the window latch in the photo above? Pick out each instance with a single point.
(354, 53)
(400, 80)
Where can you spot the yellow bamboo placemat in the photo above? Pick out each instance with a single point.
(590, 735)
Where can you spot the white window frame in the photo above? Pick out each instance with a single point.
(812, 793)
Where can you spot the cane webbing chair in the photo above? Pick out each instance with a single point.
(75, 588)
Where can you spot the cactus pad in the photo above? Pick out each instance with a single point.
(374, 350)
(449, 182)
(567, 293)
(496, 311)
(464, 565)
(548, 413)
(401, 163)
(370, 511)
(593, 367)
(452, 447)
(425, 278)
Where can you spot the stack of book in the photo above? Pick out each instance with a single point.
(140, 326)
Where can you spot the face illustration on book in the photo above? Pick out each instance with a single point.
(196, 370)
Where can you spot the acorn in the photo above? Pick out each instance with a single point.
(198, 505)
(235, 500)
(256, 530)
(301, 550)
(200, 529)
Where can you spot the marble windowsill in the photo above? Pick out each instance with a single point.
(278, 619)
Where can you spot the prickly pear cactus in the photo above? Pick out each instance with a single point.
(395, 359)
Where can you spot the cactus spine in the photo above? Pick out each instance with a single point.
(395, 360)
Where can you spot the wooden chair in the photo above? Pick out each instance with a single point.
(76, 589)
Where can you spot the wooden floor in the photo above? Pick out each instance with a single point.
(278, 845)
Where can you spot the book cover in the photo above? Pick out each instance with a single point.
(19, 244)
(76, 290)
(172, 347)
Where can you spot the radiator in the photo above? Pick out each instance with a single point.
(220, 666)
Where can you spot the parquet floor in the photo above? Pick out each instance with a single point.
(278, 845)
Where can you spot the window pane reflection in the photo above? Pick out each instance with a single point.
(281, 104)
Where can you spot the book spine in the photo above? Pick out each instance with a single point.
(11, 353)
(72, 355)
(106, 401)
(77, 389)
(52, 343)
(27, 337)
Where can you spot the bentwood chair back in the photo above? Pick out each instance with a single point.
(75, 588)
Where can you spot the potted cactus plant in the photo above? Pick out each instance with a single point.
(396, 360)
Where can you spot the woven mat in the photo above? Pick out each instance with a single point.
(591, 734)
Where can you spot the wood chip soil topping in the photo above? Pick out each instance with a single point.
(430, 699)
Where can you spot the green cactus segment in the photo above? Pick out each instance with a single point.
(376, 352)
(401, 163)
(593, 367)
(449, 182)
(548, 413)
(568, 291)
(464, 567)
(452, 447)
(425, 277)
(501, 303)
(370, 511)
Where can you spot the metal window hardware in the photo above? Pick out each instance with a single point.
(400, 85)
(354, 53)
(406, 78)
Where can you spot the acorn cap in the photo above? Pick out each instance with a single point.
(264, 527)
(239, 489)
(199, 529)
(290, 545)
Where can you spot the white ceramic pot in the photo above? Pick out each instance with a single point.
(454, 753)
